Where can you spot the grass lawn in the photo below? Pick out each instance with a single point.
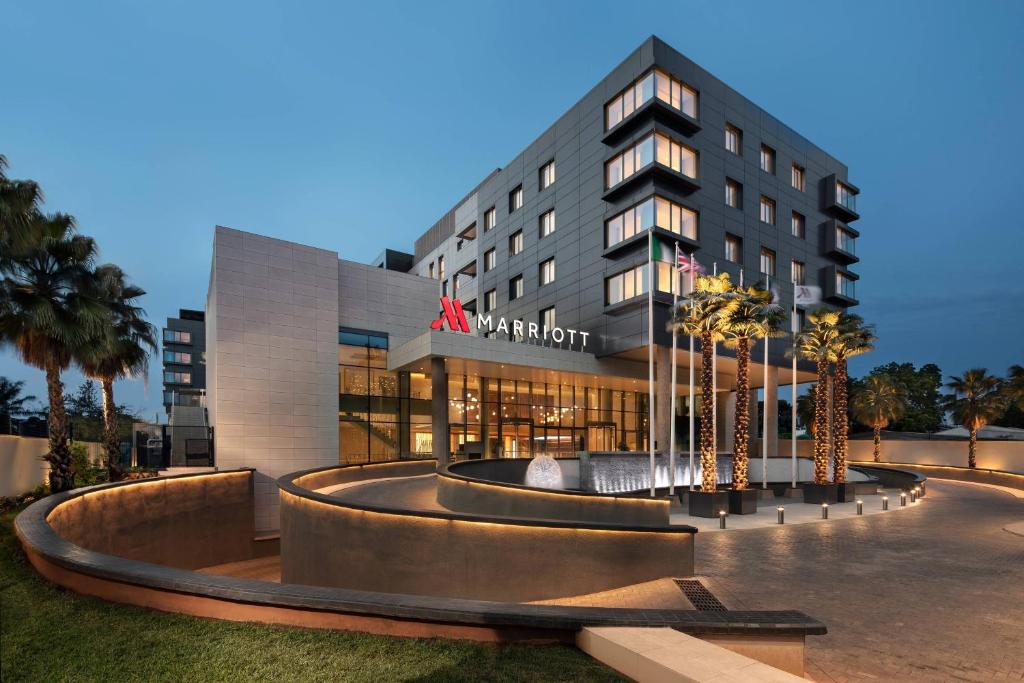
(48, 634)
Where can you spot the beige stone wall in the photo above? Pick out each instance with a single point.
(22, 467)
(995, 455)
(272, 353)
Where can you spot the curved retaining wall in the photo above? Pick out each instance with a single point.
(180, 521)
(1012, 480)
(452, 554)
(482, 487)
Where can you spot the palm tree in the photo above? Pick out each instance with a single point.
(47, 311)
(805, 410)
(876, 404)
(19, 205)
(1013, 387)
(975, 401)
(854, 339)
(121, 354)
(750, 315)
(817, 342)
(704, 316)
(12, 402)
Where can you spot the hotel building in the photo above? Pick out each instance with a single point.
(314, 359)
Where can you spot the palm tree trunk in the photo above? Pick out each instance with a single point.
(821, 431)
(741, 431)
(110, 445)
(878, 443)
(708, 465)
(840, 423)
(972, 445)
(61, 476)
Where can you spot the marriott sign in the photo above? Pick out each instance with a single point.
(454, 318)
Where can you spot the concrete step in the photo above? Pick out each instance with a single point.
(663, 654)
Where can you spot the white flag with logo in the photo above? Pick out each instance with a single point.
(806, 295)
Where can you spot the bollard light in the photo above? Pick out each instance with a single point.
(721, 519)
(885, 502)
(903, 499)
(824, 510)
(860, 507)
(782, 514)
(913, 496)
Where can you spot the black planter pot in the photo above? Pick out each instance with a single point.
(816, 494)
(703, 504)
(743, 502)
(847, 492)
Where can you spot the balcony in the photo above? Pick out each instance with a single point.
(839, 286)
(653, 171)
(656, 110)
(839, 198)
(841, 242)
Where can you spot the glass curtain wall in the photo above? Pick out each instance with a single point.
(504, 418)
(381, 415)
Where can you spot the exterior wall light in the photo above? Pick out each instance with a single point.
(721, 519)
(782, 514)
(824, 510)
(885, 502)
(860, 507)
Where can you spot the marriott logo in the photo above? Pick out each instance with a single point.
(453, 316)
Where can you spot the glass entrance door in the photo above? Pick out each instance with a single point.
(600, 437)
(515, 439)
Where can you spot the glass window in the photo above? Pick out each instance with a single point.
(733, 139)
(798, 178)
(178, 336)
(430, 270)
(767, 210)
(177, 357)
(655, 83)
(767, 262)
(798, 226)
(733, 193)
(515, 288)
(490, 300)
(547, 223)
(845, 241)
(440, 267)
(177, 377)
(490, 219)
(515, 243)
(845, 285)
(515, 199)
(626, 285)
(547, 318)
(845, 196)
(547, 175)
(547, 271)
(767, 159)
(797, 273)
(624, 165)
(733, 248)
(676, 156)
(490, 259)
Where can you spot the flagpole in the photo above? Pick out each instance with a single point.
(792, 429)
(693, 267)
(764, 429)
(650, 352)
(677, 282)
(714, 388)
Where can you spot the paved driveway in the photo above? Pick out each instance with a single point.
(934, 593)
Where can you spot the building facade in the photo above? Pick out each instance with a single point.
(519, 323)
(184, 360)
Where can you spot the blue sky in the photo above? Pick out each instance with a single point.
(354, 127)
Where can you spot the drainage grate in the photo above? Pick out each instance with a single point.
(699, 596)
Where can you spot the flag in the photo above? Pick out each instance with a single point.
(806, 295)
(655, 249)
(684, 263)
